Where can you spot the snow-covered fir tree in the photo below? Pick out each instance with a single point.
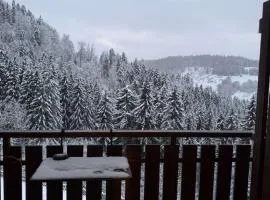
(250, 118)
(144, 112)
(65, 102)
(125, 104)
(81, 117)
(44, 106)
(220, 122)
(173, 115)
(208, 120)
(231, 122)
(105, 113)
(3, 74)
(12, 82)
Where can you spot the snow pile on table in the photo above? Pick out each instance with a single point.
(83, 168)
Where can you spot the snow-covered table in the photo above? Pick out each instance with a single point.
(83, 168)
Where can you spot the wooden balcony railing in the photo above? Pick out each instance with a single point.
(178, 169)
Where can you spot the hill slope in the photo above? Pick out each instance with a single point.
(219, 65)
(229, 75)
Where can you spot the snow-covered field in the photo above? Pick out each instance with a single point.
(201, 77)
(243, 95)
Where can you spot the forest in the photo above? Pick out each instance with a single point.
(49, 83)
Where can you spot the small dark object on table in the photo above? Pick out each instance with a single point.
(60, 156)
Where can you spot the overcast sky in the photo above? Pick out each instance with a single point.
(157, 28)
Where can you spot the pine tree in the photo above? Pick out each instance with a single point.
(124, 58)
(209, 120)
(220, 123)
(125, 104)
(3, 74)
(12, 86)
(105, 113)
(43, 100)
(111, 57)
(13, 15)
(199, 121)
(250, 118)
(65, 102)
(231, 122)
(173, 112)
(28, 87)
(96, 96)
(189, 125)
(144, 111)
(81, 53)
(159, 105)
(81, 117)
(37, 106)
(105, 65)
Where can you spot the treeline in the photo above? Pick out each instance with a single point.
(219, 65)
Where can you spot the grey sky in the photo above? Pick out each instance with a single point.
(157, 28)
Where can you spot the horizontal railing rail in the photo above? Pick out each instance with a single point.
(125, 133)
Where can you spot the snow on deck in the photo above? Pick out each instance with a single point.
(83, 168)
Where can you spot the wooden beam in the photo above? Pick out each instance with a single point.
(262, 106)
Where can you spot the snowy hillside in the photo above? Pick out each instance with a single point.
(244, 85)
(232, 76)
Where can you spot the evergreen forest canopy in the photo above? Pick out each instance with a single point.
(47, 84)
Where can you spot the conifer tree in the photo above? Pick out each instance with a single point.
(125, 104)
(189, 123)
(199, 121)
(28, 87)
(105, 65)
(159, 106)
(111, 57)
(36, 105)
(231, 122)
(250, 117)
(81, 117)
(173, 113)
(105, 113)
(144, 110)
(220, 123)
(3, 74)
(12, 86)
(65, 102)
(208, 120)
(13, 15)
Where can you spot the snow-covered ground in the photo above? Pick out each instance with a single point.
(243, 95)
(244, 78)
(201, 77)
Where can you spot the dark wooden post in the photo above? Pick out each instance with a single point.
(258, 169)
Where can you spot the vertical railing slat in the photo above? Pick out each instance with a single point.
(242, 171)
(74, 188)
(152, 165)
(33, 155)
(224, 172)
(13, 174)
(113, 187)
(54, 188)
(189, 172)
(133, 185)
(207, 172)
(93, 187)
(170, 175)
